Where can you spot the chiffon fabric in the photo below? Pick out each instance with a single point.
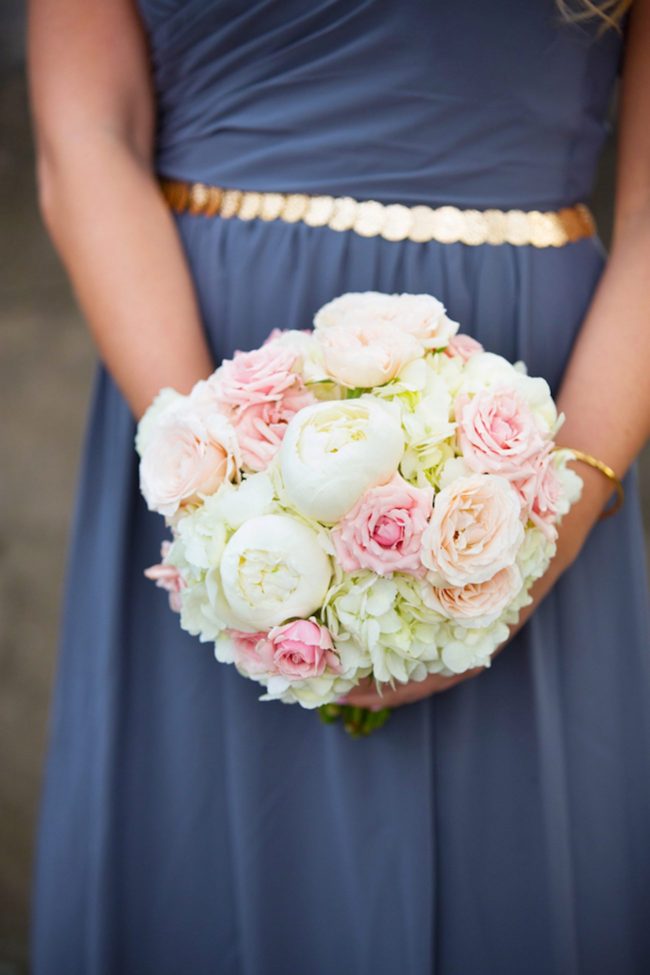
(501, 827)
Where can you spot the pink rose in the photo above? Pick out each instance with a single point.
(191, 452)
(261, 427)
(302, 649)
(477, 603)
(253, 653)
(366, 354)
(541, 493)
(259, 393)
(167, 577)
(383, 531)
(256, 377)
(475, 530)
(497, 432)
(463, 347)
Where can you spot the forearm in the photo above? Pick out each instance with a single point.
(605, 393)
(117, 240)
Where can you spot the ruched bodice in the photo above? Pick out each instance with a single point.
(415, 101)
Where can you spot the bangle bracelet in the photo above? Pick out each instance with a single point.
(605, 469)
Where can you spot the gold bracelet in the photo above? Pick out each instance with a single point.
(605, 469)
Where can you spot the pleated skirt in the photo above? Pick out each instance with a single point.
(500, 828)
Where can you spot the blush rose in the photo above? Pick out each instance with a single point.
(366, 354)
(498, 433)
(190, 453)
(541, 494)
(475, 530)
(383, 532)
(255, 377)
(167, 577)
(463, 347)
(478, 603)
(302, 649)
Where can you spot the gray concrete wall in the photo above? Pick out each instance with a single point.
(45, 368)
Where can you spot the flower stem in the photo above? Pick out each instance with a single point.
(358, 722)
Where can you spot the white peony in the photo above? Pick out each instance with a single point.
(333, 452)
(273, 569)
(205, 530)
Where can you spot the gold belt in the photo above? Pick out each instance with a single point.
(446, 224)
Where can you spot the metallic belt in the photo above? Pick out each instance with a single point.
(446, 224)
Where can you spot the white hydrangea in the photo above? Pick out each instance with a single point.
(570, 481)
(389, 619)
(199, 615)
(534, 555)
(462, 648)
(426, 406)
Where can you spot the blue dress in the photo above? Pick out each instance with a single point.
(501, 828)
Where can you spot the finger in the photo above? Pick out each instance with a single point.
(391, 697)
(363, 697)
(372, 701)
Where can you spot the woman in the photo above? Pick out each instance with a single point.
(495, 826)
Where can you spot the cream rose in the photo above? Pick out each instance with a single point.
(273, 569)
(191, 452)
(475, 530)
(421, 316)
(333, 452)
(366, 354)
(477, 603)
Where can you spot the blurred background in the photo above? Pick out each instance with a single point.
(45, 370)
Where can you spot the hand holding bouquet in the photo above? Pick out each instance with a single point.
(372, 498)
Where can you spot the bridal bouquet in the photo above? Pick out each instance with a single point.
(371, 498)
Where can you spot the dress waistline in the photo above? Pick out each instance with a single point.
(394, 222)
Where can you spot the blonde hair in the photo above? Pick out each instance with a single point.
(609, 12)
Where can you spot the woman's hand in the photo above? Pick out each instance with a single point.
(573, 532)
(365, 695)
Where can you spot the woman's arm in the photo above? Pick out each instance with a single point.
(605, 391)
(94, 117)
